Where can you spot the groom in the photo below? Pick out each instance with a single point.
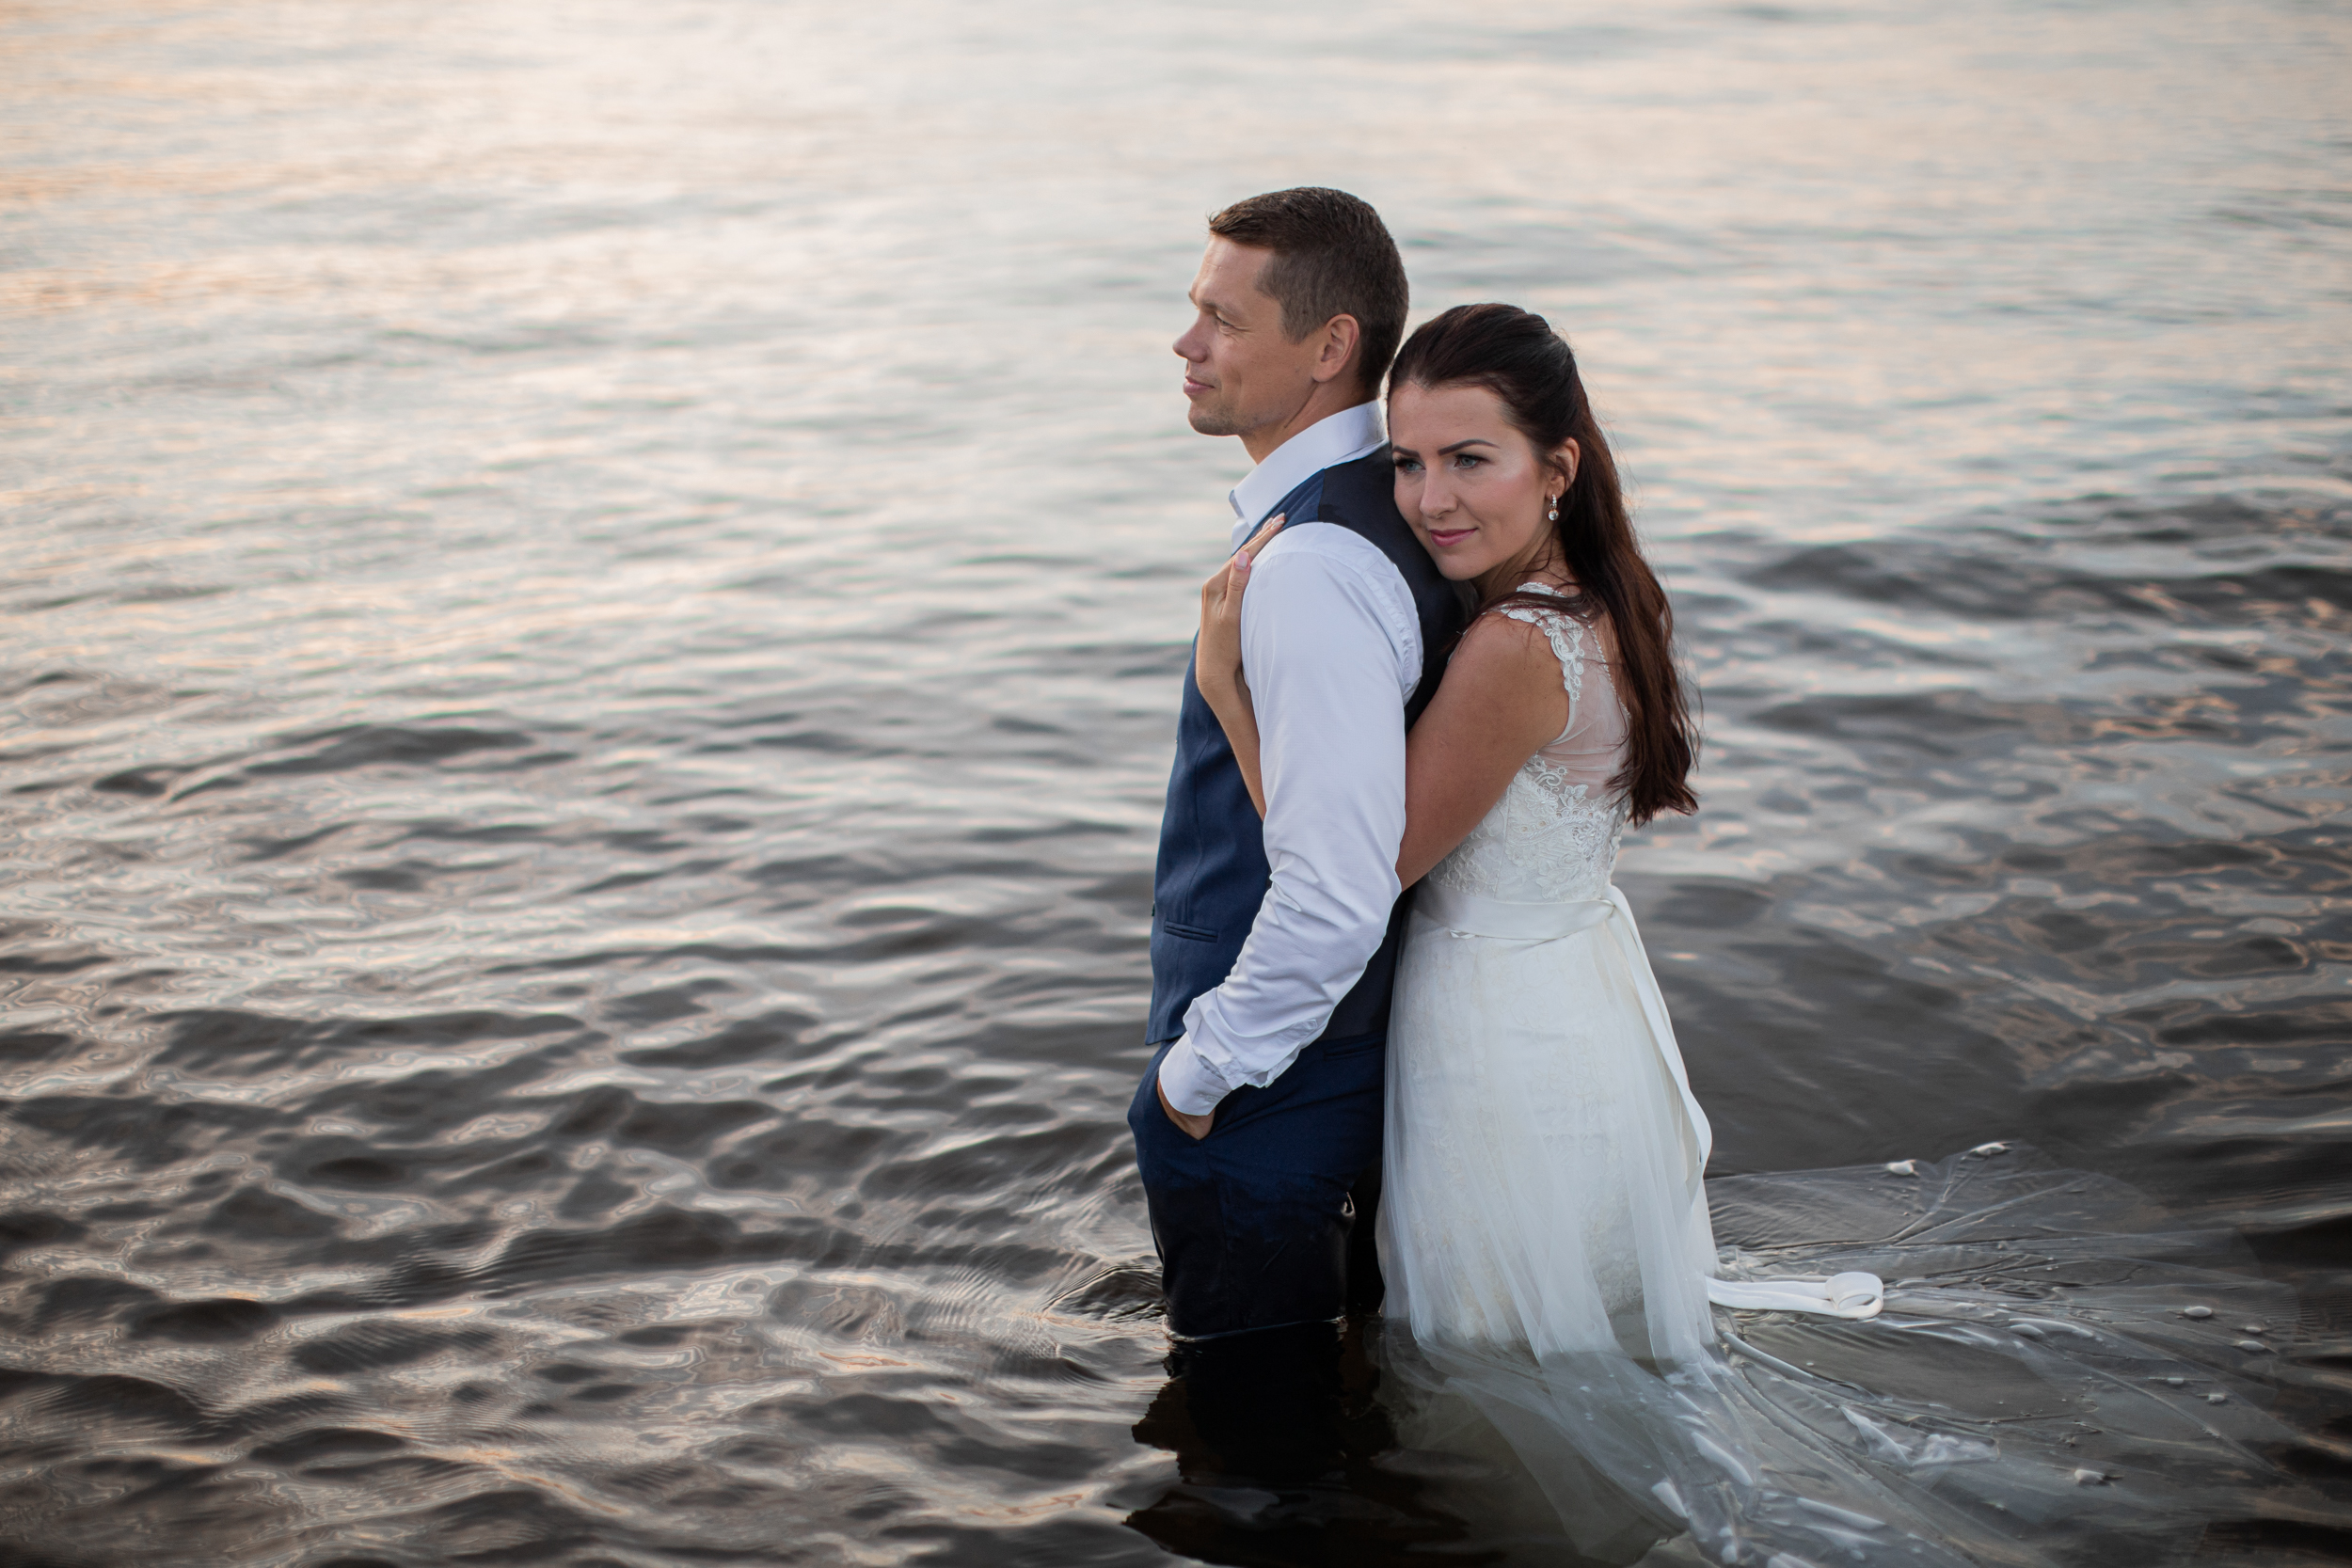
(1274, 944)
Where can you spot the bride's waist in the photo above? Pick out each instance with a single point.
(1477, 914)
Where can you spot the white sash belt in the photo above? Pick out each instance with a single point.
(1474, 914)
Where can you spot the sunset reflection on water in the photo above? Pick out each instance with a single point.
(592, 608)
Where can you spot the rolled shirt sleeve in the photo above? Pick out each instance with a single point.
(1331, 648)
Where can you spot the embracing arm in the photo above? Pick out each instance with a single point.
(1500, 702)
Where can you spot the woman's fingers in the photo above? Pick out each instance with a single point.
(1259, 541)
(1221, 594)
(1237, 569)
(1236, 583)
(1217, 592)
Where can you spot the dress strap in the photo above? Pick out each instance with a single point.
(1566, 634)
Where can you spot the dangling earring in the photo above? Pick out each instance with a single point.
(1552, 516)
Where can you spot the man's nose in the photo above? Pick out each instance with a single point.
(1192, 345)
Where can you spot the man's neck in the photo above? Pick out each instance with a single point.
(1329, 398)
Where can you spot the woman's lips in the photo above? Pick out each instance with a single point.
(1443, 537)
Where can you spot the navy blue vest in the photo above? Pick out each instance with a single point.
(1213, 873)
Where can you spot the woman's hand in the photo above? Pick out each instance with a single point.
(1216, 665)
(1216, 657)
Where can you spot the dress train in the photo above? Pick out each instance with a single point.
(2053, 1375)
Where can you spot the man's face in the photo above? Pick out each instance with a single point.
(1241, 372)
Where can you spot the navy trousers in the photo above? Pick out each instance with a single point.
(1268, 1220)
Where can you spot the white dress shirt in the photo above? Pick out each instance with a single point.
(1331, 645)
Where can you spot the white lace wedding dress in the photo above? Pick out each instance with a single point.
(1569, 1098)
(1545, 1234)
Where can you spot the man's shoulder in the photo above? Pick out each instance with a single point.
(1359, 498)
(1335, 586)
(1322, 552)
(1360, 490)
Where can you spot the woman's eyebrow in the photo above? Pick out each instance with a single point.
(1473, 441)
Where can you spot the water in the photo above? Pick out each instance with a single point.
(593, 598)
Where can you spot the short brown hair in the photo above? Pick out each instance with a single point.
(1332, 257)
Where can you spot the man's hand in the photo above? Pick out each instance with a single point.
(1194, 1128)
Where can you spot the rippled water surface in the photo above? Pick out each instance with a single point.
(593, 598)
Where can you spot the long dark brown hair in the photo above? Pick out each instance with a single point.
(1516, 356)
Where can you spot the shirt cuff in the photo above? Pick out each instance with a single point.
(1190, 1083)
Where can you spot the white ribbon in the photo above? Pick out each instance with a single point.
(1836, 1295)
(1474, 914)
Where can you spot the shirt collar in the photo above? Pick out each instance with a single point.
(1340, 437)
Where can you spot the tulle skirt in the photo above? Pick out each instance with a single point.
(1542, 1157)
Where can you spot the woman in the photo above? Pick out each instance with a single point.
(1561, 720)
(1544, 1226)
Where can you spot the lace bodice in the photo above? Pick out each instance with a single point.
(1554, 836)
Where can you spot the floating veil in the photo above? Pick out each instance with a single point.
(2054, 1379)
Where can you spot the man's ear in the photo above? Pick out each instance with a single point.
(1337, 351)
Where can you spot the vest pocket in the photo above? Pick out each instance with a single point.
(1190, 934)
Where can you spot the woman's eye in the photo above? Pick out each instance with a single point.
(1468, 460)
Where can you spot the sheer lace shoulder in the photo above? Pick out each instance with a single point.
(1566, 634)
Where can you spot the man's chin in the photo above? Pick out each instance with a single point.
(1213, 421)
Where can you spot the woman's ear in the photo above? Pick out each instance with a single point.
(1564, 459)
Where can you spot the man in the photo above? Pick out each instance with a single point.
(1274, 946)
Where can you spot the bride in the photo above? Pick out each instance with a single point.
(1544, 1226)
(1562, 721)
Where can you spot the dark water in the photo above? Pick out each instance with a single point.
(593, 598)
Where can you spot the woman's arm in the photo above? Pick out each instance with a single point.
(1500, 702)
(1216, 660)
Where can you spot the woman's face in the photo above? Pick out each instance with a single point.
(1473, 488)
